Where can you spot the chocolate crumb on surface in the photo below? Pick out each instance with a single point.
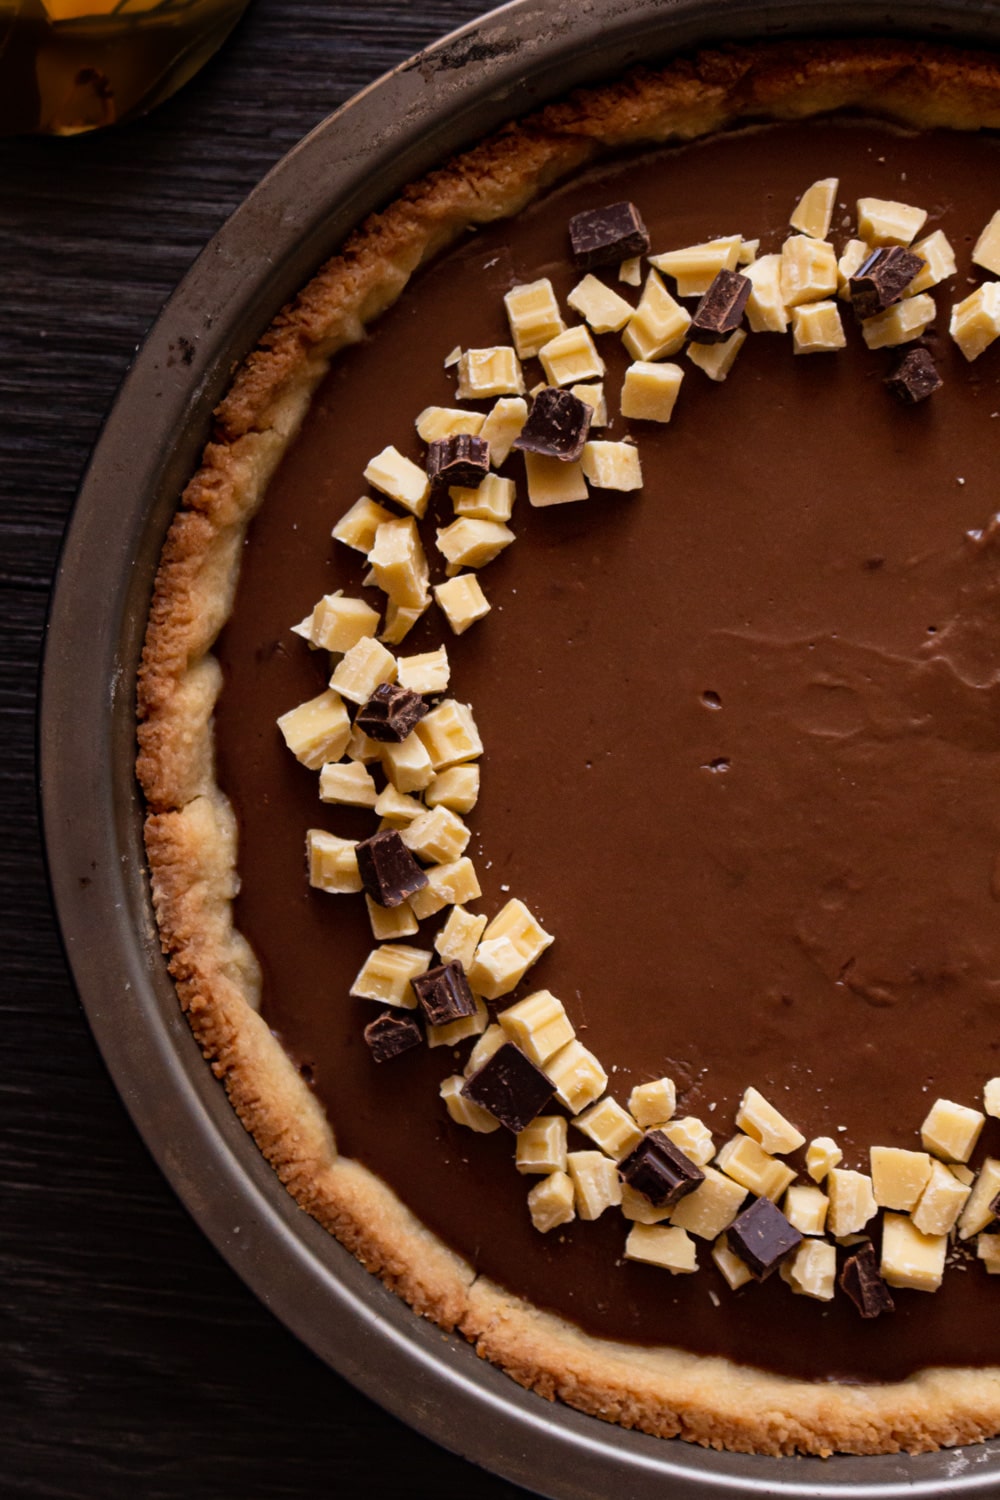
(388, 871)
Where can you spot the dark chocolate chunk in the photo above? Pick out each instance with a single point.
(444, 994)
(762, 1237)
(460, 459)
(390, 1034)
(391, 712)
(720, 311)
(557, 424)
(913, 377)
(882, 279)
(388, 871)
(510, 1088)
(603, 236)
(659, 1170)
(862, 1281)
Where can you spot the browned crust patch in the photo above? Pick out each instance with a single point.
(190, 829)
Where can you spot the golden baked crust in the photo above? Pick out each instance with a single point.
(190, 829)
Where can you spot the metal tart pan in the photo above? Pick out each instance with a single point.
(444, 98)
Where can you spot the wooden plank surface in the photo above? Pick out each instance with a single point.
(132, 1360)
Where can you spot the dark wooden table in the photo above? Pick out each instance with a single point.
(134, 1362)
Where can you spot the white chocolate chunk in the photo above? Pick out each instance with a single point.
(856, 252)
(551, 1202)
(986, 252)
(398, 808)
(747, 1163)
(357, 526)
(332, 863)
(400, 620)
(489, 372)
(596, 1183)
(650, 390)
(808, 270)
(817, 329)
(975, 322)
(637, 1208)
(541, 1146)
(457, 788)
(941, 1201)
(965, 1175)
(551, 481)
(811, 1270)
(711, 1207)
(716, 360)
(748, 252)
(452, 358)
(939, 263)
(492, 500)
(449, 734)
(822, 1154)
(653, 1103)
(602, 308)
(386, 973)
(361, 670)
(898, 1177)
(454, 1032)
(659, 324)
(765, 309)
(630, 271)
(900, 323)
(437, 422)
(991, 1097)
(571, 356)
(692, 1136)
(768, 1127)
(659, 1245)
(593, 394)
(428, 672)
(881, 221)
(806, 1208)
(612, 466)
(951, 1130)
(407, 765)
(399, 563)
(462, 601)
(337, 622)
(909, 1258)
(576, 1075)
(852, 1201)
(735, 1271)
(317, 731)
(502, 425)
(468, 543)
(538, 1024)
(534, 316)
(814, 210)
(456, 940)
(977, 1212)
(695, 267)
(390, 922)
(361, 747)
(610, 1126)
(988, 1250)
(463, 1111)
(348, 783)
(492, 1039)
(447, 885)
(399, 478)
(438, 836)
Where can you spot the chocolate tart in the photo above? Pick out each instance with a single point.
(205, 767)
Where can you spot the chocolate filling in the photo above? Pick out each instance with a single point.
(784, 871)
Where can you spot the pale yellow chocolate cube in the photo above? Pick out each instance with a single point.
(332, 863)
(571, 356)
(437, 422)
(909, 1258)
(716, 360)
(963, 1174)
(534, 316)
(362, 669)
(357, 526)
(337, 622)
(814, 210)
(593, 394)
(462, 601)
(855, 253)
(447, 885)
(457, 939)
(317, 731)
(808, 270)
(659, 324)
(602, 308)
(538, 1024)
(437, 836)
(670, 1247)
(817, 329)
(822, 1154)
(766, 311)
(576, 1075)
(468, 543)
(939, 263)
(630, 271)
(735, 1271)
(650, 390)
(695, 267)
(551, 1202)
(988, 1250)
(407, 765)
(692, 1136)
(991, 1097)
(747, 1163)
(711, 1207)
(768, 1127)
(975, 322)
(552, 481)
(941, 1201)
(637, 1208)
(449, 734)
(977, 1212)
(489, 372)
(596, 1183)
(852, 1201)
(426, 672)
(541, 1147)
(806, 1208)
(986, 252)
(397, 807)
(386, 973)
(390, 922)
(610, 1127)
(951, 1130)
(362, 747)
(749, 250)
(612, 466)
(898, 1177)
(457, 788)
(653, 1103)
(882, 221)
(492, 1039)
(400, 620)
(399, 478)
(492, 500)
(811, 1270)
(901, 323)
(453, 1032)
(502, 425)
(463, 1111)
(399, 563)
(347, 783)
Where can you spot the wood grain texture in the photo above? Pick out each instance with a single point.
(132, 1360)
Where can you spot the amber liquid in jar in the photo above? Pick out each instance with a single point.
(72, 65)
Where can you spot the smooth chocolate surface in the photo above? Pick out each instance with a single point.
(799, 876)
